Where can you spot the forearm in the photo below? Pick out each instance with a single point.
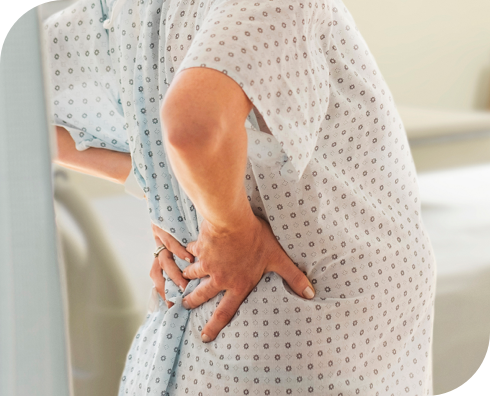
(211, 171)
(203, 117)
(110, 165)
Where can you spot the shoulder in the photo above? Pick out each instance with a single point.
(303, 12)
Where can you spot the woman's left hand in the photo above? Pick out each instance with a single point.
(165, 262)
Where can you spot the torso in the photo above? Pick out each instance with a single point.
(352, 223)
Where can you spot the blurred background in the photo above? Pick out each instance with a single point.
(435, 57)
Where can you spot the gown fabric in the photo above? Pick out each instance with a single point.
(335, 179)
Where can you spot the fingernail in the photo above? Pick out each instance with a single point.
(185, 304)
(183, 274)
(181, 289)
(309, 292)
(188, 259)
(205, 338)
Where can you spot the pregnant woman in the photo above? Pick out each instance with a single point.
(292, 258)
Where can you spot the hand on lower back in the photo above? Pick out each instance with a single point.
(235, 261)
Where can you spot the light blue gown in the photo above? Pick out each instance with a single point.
(335, 179)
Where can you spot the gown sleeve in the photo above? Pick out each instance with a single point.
(275, 51)
(82, 84)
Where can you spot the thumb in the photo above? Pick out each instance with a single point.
(191, 248)
(295, 279)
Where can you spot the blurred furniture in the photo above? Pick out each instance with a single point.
(103, 316)
(445, 139)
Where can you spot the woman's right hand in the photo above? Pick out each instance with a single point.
(165, 262)
(235, 260)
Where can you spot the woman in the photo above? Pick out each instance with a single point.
(268, 144)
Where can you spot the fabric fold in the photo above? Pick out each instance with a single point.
(264, 150)
(277, 57)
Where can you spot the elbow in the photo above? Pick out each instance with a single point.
(178, 135)
(185, 130)
(64, 145)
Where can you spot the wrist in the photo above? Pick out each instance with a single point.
(240, 219)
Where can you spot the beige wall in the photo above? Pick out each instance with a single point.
(432, 53)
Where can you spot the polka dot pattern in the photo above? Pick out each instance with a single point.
(84, 91)
(329, 167)
(276, 52)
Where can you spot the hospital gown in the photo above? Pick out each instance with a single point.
(334, 178)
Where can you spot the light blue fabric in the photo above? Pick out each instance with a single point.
(86, 102)
(335, 180)
(84, 89)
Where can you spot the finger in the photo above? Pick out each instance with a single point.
(158, 279)
(181, 252)
(162, 238)
(194, 271)
(156, 275)
(221, 316)
(202, 293)
(167, 263)
(295, 279)
(192, 248)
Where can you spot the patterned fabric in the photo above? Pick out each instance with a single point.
(335, 179)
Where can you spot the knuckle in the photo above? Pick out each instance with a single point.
(170, 244)
(154, 272)
(244, 286)
(222, 315)
(161, 262)
(187, 272)
(298, 278)
(190, 301)
(217, 281)
(199, 293)
(196, 249)
(204, 264)
(166, 253)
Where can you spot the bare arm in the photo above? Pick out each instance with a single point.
(203, 118)
(110, 165)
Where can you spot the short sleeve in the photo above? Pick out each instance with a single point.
(82, 83)
(275, 50)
